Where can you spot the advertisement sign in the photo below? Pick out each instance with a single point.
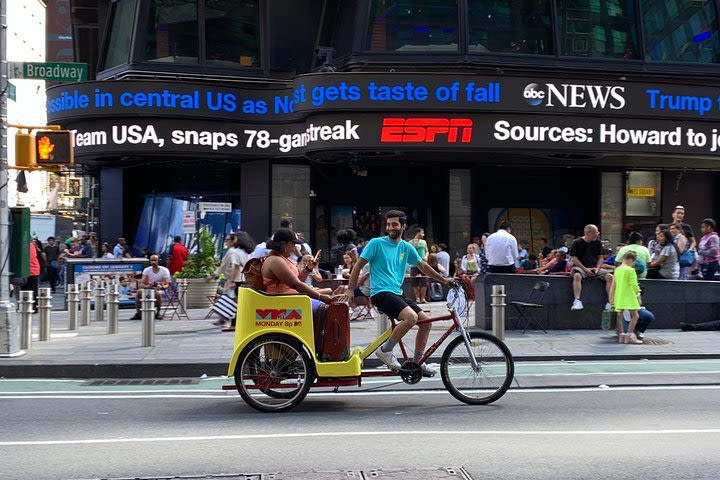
(341, 111)
(119, 271)
(188, 221)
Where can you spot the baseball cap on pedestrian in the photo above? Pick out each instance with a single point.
(285, 235)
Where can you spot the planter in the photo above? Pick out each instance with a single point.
(198, 291)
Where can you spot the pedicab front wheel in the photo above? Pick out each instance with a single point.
(274, 373)
(484, 384)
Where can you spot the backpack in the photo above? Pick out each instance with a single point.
(253, 273)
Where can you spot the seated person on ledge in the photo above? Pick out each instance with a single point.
(280, 274)
(153, 276)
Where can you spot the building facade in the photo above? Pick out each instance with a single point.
(552, 113)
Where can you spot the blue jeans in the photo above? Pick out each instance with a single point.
(708, 270)
(645, 317)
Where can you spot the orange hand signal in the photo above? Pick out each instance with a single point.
(45, 148)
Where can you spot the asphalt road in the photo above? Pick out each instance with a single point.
(58, 429)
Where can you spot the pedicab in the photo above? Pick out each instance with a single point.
(277, 359)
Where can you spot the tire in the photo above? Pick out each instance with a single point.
(274, 373)
(477, 387)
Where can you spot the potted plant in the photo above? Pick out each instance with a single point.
(196, 270)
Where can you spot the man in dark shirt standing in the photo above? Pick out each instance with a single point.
(587, 255)
(52, 252)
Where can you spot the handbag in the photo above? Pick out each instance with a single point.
(225, 306)
(687, 258)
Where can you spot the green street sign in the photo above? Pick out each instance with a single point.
(11, 92)
(51, 71)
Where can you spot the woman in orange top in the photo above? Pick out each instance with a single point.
(280, 274)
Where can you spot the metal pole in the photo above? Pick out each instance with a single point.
(8, 318)
(99, 301)
(85, 292)
(26, 311)
(113, 306)
(147, 309)
(382, 323)
(73, 294)
(44, 307)
(498, 311)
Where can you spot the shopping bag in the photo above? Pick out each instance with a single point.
(225, 306)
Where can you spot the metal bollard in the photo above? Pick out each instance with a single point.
(147, 309)
(73, 294)
(85, 293)
(99, 301)
(113, 307)
(498, 311)
(26, 311)
(44, 307)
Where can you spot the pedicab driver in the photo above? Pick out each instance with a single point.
(388, 257)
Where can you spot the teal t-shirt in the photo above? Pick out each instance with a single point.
(388, 261)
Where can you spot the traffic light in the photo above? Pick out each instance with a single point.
(53, 148)
(25, 150)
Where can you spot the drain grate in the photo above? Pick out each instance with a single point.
(445, 473)
(646, 340)
(144, 381)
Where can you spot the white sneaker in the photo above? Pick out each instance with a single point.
(427, 371)
(388, 359)
(577, 305)
(608, 307)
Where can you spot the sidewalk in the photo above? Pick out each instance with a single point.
(195, 347)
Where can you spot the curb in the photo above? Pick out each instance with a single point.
(189, 370)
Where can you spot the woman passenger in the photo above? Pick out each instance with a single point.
(281, 275)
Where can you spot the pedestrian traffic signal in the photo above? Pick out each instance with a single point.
(25, 150)
(53, 148)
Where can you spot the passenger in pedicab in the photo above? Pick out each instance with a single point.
(280, 274)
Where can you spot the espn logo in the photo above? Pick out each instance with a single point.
(426, 130)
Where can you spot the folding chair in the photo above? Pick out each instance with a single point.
(363, 308)
(174, 303)
(531, 305)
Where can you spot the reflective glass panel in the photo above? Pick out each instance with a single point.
(121, 32)
(598, 28)
(172, 34)
(231, 32)
(413, 26)
(512, 26)
(680, 31)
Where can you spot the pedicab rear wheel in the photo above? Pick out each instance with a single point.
(274, 373)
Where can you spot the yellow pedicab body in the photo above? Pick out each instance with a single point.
(259, 314)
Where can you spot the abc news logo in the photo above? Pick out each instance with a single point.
(426, 130)
(571, 95)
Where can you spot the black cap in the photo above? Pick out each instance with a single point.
(285, 235)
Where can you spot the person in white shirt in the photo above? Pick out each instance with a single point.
(443, 257)
(501, 250)
(153, 276)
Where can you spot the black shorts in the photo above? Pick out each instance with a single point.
(391, 304)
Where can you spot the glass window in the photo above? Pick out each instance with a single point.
(291, 196)
(121, 31)
(172, 34)
(598, 28)
(680, 31)
(642, 194)
(232, 32)
(413, 26)
(511, 26)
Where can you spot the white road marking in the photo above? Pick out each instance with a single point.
(193, 394)
(272, 436)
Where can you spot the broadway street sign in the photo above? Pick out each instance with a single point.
(51, 71)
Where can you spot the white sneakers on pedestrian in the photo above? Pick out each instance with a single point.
(388, 359)
(608, 307)
(577, 305)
